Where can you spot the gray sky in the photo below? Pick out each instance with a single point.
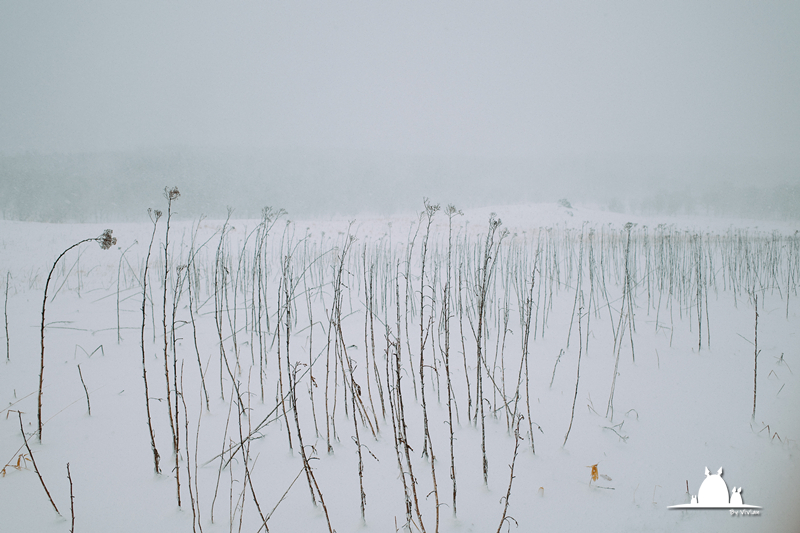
(494, 79)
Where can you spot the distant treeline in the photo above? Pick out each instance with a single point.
(776, 202)
(121, 186)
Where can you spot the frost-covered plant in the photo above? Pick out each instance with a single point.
(106, 241)
(154, 217)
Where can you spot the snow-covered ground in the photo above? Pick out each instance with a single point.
(677, 407)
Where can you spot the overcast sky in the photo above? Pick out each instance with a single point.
(500, 78)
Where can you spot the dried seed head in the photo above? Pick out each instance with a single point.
(430, 209)
(452, 211)
(171, 194)
(106, 240)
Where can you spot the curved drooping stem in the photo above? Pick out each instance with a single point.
(106, 241)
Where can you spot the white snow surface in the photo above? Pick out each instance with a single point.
(676, 408)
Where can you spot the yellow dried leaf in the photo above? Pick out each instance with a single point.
(594, 472)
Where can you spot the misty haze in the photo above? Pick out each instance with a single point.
(399, 266)
(326, 108)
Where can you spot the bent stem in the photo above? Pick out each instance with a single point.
(106, 241)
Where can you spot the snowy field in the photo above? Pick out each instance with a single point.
(630, 349)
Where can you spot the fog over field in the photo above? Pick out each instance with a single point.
(351, 107)
(419, 266)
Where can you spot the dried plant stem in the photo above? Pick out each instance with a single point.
(196, 447)
(173, 422)
(626, 310)
(219, 279)
(33, 460)
(463, 344)
(401, 420)
(484, 276)
(577, 287)
(71, 502)
(430, 211)
(406, 447)
(288, 293)
(44, 304)
(191, 274)
(450, 211)
(367, 317)
(409, 309)
(156, 458)
(88, 405)
(119, 271)
(280, 372)
(283, 496)
(360, 458)
(312, 480)
(246, 461)
(196, 347)
(372, 342)
(755, 358)
(628, 290)
(222, 458)
(312, 381)
(306, 465)
(398, 441)
(176, 295)
(329, 448)
(393, 398)
(349, 381)
(578, 375)
(179, 394)
(507, 497)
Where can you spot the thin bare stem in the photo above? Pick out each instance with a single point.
(33, 460)
(88, 405)
(71, 502)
